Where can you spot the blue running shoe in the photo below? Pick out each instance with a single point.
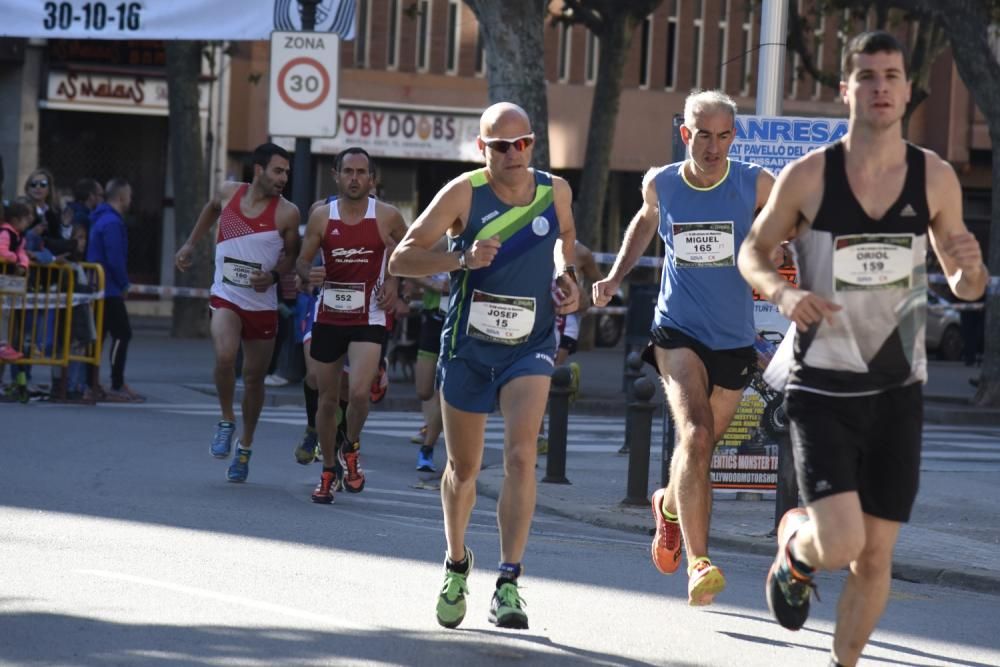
(305, 453)
(240, 467)
(222, 441)
(425, 460)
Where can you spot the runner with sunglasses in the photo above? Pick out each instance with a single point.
(509, 229)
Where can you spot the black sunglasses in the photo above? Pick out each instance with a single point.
(38, 184)
(503, 145)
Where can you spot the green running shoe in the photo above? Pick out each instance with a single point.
(506, 608)
(451, 600)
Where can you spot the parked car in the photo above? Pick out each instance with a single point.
(944, 328)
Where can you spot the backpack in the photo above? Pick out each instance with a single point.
(15, 238)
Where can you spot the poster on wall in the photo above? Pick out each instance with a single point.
(746, 457)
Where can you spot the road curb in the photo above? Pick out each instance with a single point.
(913, 571)
(939, 412)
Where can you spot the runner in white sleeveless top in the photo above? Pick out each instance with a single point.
(257, 241)
(860, 214)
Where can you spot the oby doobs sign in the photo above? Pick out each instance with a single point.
(405, 133)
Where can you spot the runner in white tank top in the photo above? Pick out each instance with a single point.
(257, 241)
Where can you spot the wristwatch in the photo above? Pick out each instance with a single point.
(571, 270)
(461, 261)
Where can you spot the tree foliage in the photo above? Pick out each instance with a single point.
(613, 22)
(188, 175)
(513, 33)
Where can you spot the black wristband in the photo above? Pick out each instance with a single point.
(276, 276)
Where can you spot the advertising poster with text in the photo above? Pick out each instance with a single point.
(746, 457)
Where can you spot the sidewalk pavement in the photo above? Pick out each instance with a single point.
(952, 539)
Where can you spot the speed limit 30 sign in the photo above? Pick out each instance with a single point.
(303, 90)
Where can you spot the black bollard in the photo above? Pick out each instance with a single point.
(555, 463)
(633, 371)
(639, 425)
(787, 492)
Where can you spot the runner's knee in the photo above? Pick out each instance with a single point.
(874, 561)
(463, 472)
(359, 395)
(696, 440)
(520, 461)
(838, 545)
(253, 377)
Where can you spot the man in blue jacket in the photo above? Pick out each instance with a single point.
(108, 246)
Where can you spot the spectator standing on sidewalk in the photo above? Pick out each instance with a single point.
(40, 189)
(87, 195)
(12, 251)
(108, 246)
(703, 327)
(862, 214)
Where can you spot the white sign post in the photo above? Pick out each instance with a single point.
(303, 88)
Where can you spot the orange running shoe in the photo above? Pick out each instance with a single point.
(705, 581)
(349, 457)
(324, 490)
(666, 548)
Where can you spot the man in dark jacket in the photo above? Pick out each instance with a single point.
(108, 246)
(87, 195)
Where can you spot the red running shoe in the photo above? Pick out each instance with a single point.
(349, 457)
(666, 547)
(324, 490)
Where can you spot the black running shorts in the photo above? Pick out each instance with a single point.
(330, 342)
(729, 369)
(867, 444)
(429, 343)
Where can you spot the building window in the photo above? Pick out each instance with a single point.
(392, 39)
(646, 52)
(565, 43)
(593, 54)
(699, 24)
(423, 34)
(454, 36)
(361, 38)
(723, 45)
(480, 53)
(671, 46)
(746, 56)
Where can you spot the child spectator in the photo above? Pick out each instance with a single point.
(13, 252)
(82, 331)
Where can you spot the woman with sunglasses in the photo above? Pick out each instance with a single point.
(40, 189)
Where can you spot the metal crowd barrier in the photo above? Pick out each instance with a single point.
(52, 315)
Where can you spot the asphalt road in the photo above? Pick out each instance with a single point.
(121, 543)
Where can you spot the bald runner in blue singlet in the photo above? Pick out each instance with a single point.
(501, 319)
(510, 229)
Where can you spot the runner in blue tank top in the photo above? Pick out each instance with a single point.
(509, 229)
(703, 330)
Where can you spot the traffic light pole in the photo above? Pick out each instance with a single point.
(302, 166)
